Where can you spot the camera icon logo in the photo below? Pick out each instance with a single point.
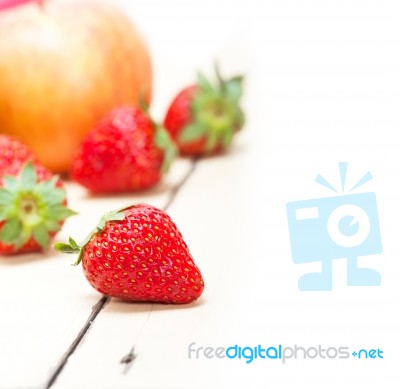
(343, 226)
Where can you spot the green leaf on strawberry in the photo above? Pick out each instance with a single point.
(138, 254)
(166, 144)
(31, 208)
(203, 118)
(162, 139)
(74, 247)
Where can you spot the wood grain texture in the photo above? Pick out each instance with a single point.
(45, 302)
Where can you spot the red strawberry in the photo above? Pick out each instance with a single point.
(126, 151)
(203, 118)
(13, 154)
(138, 254)
(32, 200)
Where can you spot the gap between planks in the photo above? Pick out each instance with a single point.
(99, 306)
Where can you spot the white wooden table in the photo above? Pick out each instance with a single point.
(322, 87)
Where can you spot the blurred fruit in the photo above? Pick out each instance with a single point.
(11, 3)
(63, 65)
(203, 118)
(13, 155)
(138, 254)
(125, 151)
(32, 200)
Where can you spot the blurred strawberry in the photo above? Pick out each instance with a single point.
(126, 151)
(11, 3)
(32, 200)
(13, 155)
(203, 118)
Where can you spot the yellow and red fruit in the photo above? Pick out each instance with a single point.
(64, 65)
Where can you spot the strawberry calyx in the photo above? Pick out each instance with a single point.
(216, 112)
(162, 138)
(164, 141)
(31, 209)
(74, 248)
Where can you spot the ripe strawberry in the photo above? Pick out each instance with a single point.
(203, 118)
(125, 151)
(138, 254)
(32, 200)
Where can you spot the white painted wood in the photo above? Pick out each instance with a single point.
(322, 88)
(44, 301)
(235, 224)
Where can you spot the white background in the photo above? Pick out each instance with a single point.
(322, 86)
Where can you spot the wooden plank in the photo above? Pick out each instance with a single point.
(235, 224)
(325, 94)
(44, 302)
(160, 334)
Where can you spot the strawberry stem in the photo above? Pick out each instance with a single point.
(73, 248)
(70, 248)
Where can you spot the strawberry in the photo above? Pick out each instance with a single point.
(203, 118)
(32, 200)
(138, 253)
(126, 151)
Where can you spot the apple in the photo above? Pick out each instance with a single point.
(64, 65)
